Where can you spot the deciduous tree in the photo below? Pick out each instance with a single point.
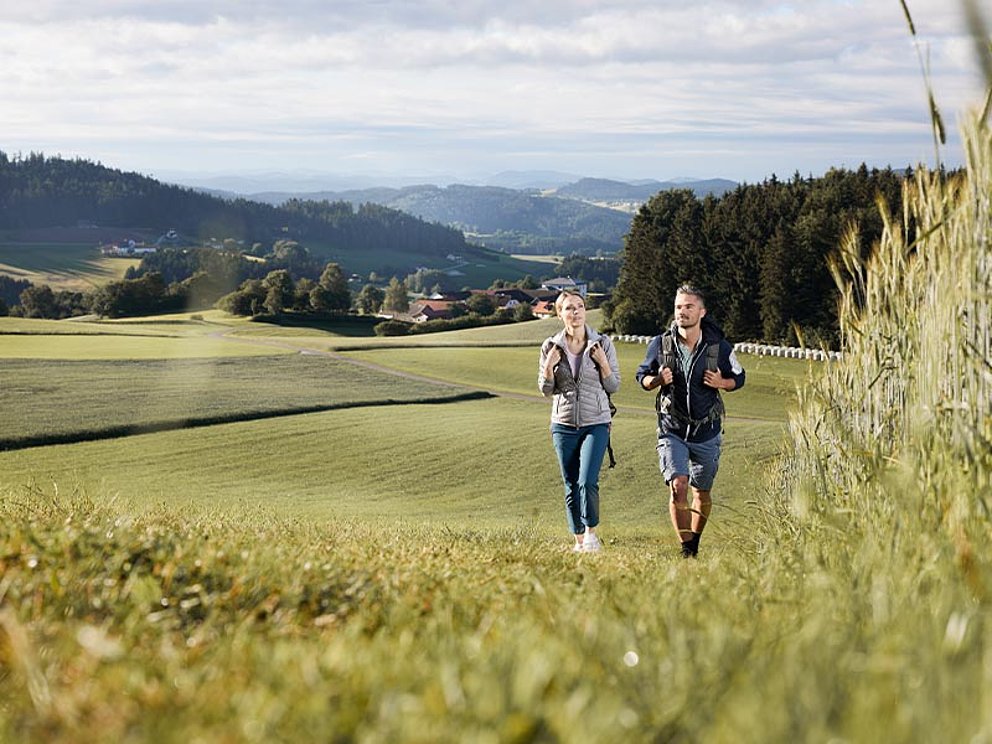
(370, 299)
(396, 299)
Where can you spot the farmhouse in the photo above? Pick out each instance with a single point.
(544, 309)
(459, 296)
(126, 248)
(561, 283)
(424, 310)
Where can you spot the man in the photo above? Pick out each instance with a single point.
(691, 363)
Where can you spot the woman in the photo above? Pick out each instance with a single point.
(579, 368)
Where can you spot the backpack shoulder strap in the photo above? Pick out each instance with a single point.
(668, 356)
(713, 357)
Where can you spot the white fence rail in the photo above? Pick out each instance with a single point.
(786, 352)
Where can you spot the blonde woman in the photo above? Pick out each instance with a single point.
(578, 368)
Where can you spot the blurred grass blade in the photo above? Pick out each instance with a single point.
(909, 18)
(938, 121)
(980, 35)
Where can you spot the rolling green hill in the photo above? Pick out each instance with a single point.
(87, 203)
(511, 220)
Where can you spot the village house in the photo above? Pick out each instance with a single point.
(459, 296)
(561, 283)
(544, 309)
(423, 310)
(126, 249)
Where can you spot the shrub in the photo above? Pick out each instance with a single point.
(391, 328)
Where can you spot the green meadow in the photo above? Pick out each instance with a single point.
(388, 458)
(361, 425)
(74, 266)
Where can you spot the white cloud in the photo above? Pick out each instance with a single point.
(589, 85)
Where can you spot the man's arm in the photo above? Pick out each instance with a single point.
(731, 375)
(648, 375)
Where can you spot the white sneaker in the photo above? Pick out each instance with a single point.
(577, 548)
(591, 543)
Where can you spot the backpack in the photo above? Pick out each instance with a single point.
(668, 357)
(613, 413)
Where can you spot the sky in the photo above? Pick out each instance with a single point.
(444, 91)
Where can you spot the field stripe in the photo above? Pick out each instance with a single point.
(119, 432)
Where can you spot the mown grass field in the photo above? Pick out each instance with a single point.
(364, 457)
(772, 381)
(73, 266)
(63, 399)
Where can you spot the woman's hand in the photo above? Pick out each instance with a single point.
(601, 359)
(549, 363)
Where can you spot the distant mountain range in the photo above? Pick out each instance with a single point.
(585, 216)
(298, 182)
(602, 190)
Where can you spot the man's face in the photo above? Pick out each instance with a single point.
(688, 310)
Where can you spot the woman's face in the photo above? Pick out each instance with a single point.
(573, 312)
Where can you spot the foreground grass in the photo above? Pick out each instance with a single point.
(203, 625)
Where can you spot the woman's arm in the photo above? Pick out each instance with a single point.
(550, 354)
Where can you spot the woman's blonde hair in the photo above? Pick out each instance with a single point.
(565, 293)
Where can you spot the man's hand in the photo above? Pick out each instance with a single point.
(664, 377)
(716, 380)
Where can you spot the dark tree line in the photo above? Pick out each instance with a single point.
(10, 289)
(760, 252)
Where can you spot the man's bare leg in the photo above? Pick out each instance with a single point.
(701, 505)
(678, 508)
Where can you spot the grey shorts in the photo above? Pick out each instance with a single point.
(698, 460)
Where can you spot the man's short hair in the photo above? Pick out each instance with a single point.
(689, 289)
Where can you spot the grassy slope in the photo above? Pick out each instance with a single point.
(59, 397)
(400, 574)
(473, 270)
(73, 266)
(160, 380)
(81, 267)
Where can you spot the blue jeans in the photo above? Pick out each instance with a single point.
(580, 455)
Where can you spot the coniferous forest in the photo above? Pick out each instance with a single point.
(761, 253)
